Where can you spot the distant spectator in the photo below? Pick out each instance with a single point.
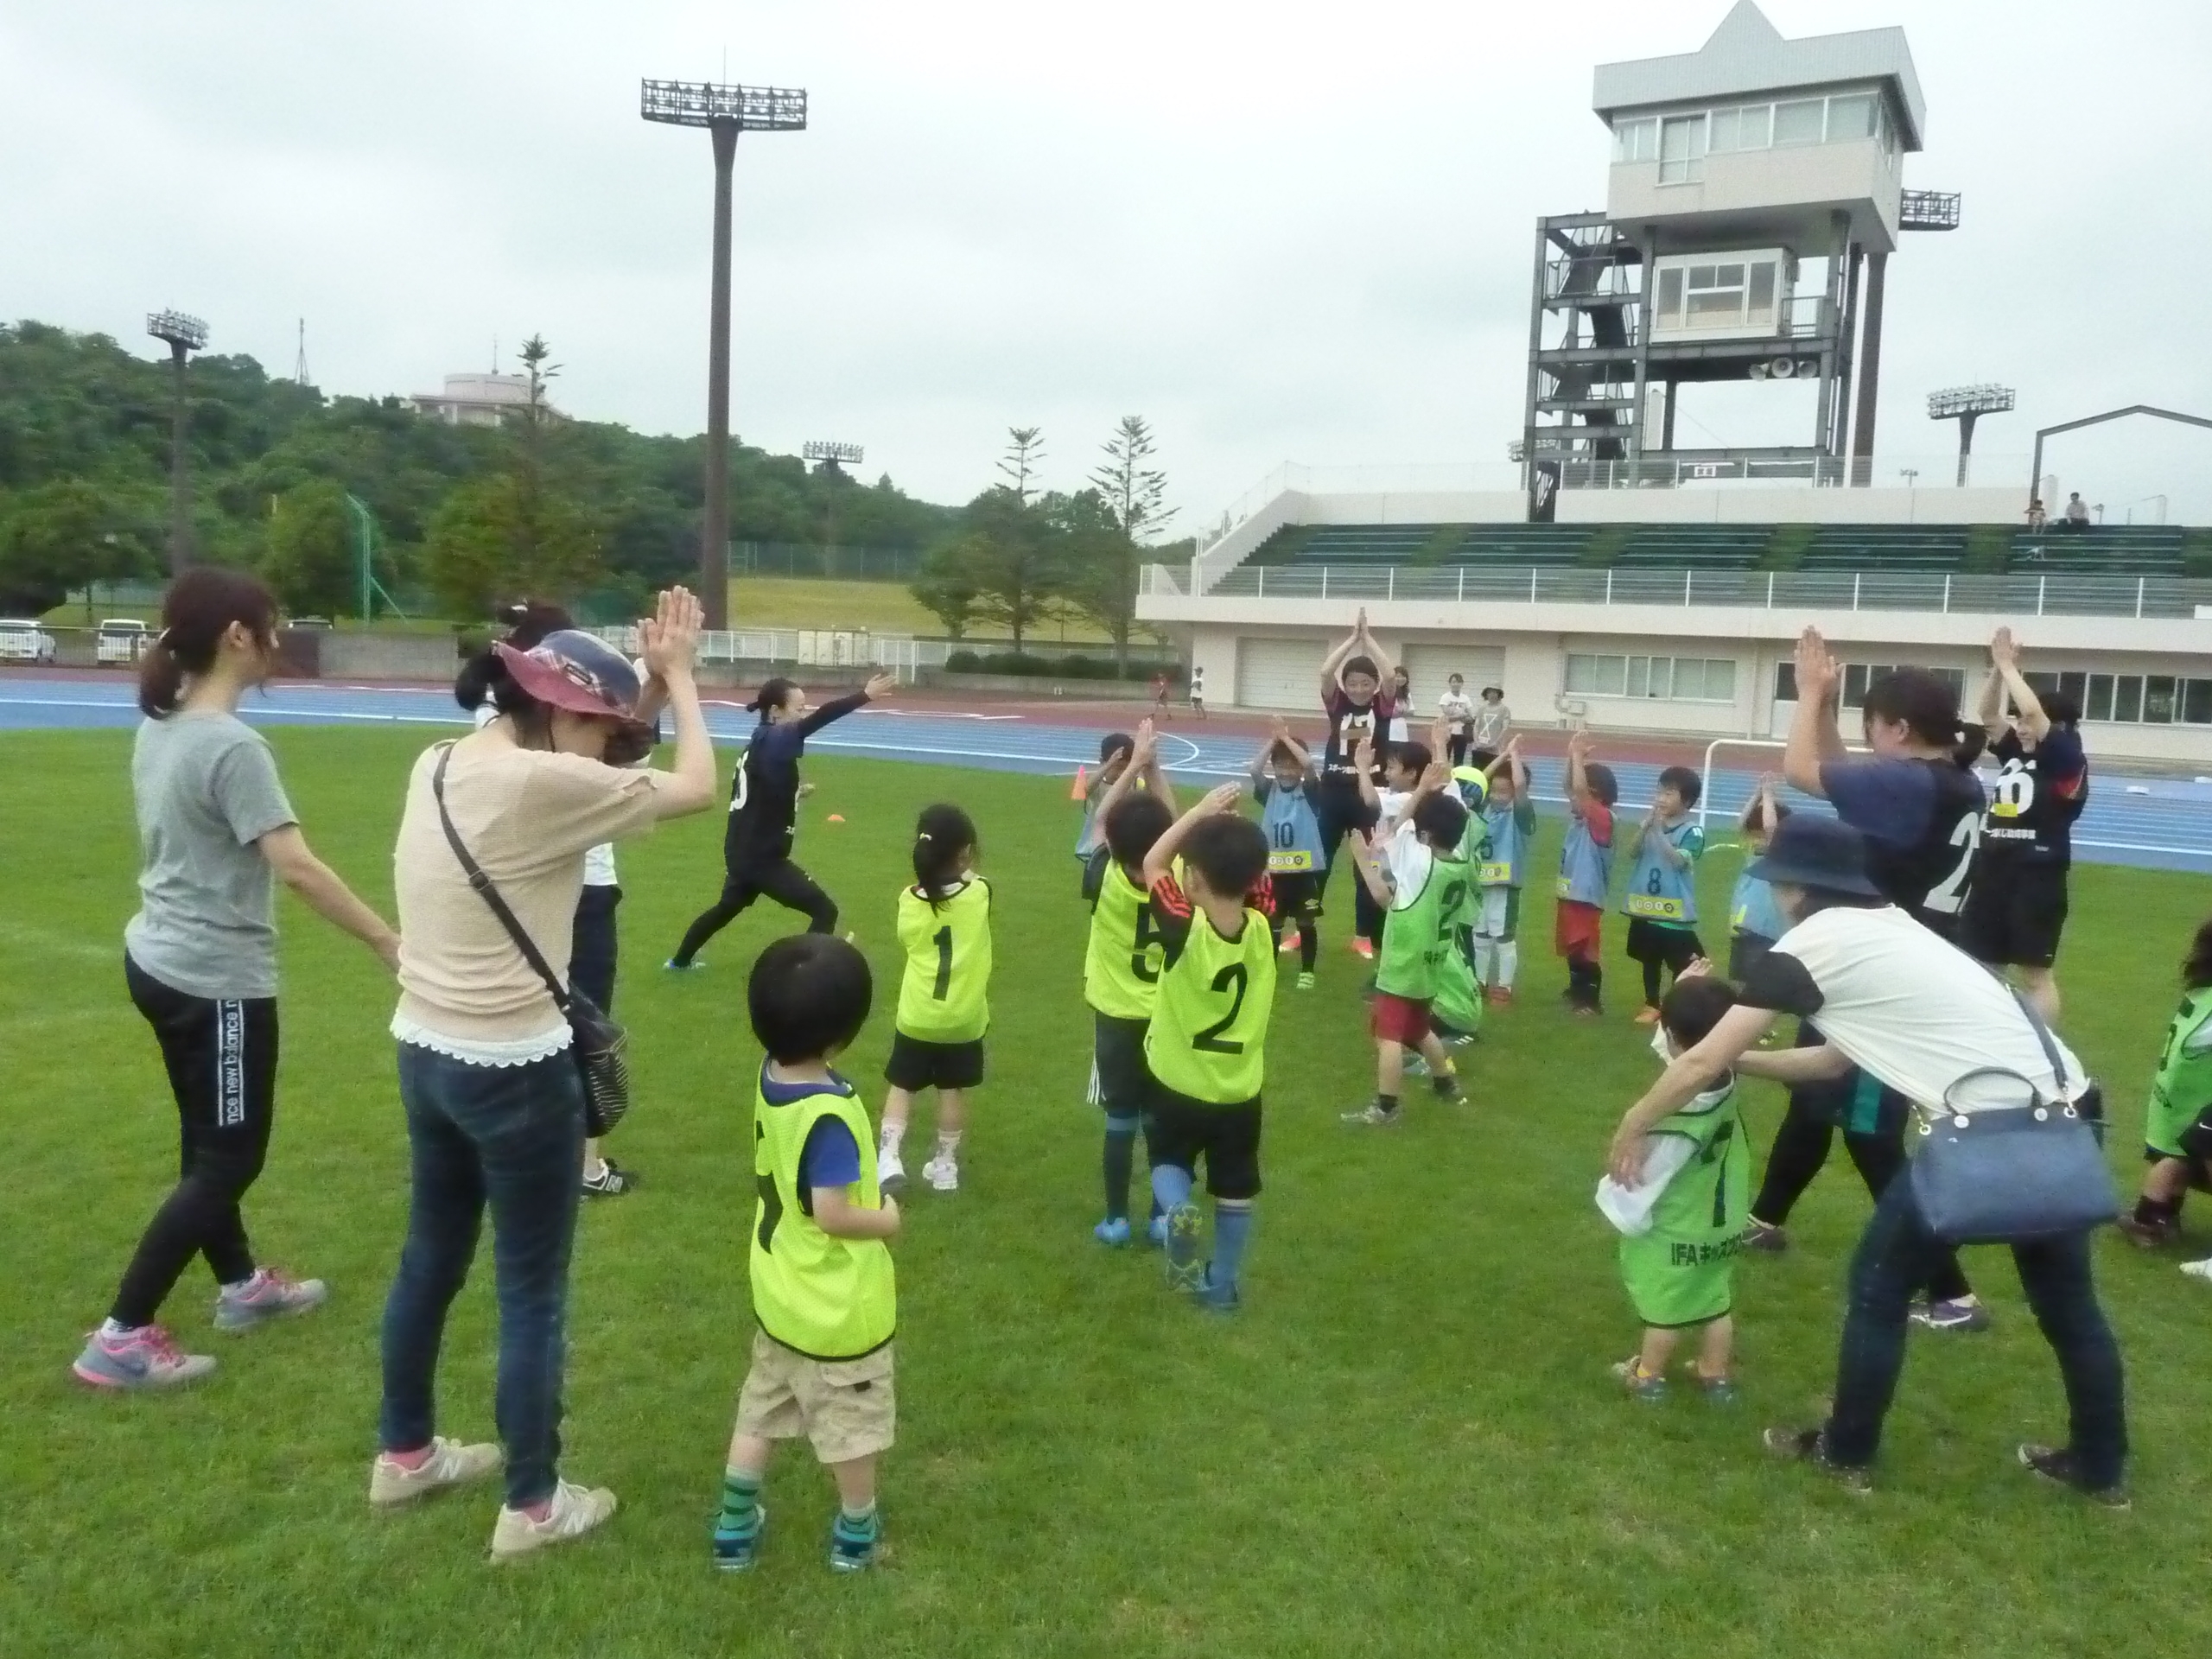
(2037, 515)
(1457, 710)
(1401, 696)
(1198, 689)
(2077, 513)
(1493, 726)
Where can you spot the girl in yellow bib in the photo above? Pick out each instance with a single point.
(944, 926)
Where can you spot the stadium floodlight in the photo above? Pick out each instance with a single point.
(834, 455)
(183, 334)
(724, 111)
(1966, 405)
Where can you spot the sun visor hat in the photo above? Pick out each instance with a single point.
(1806, 850)
(577, 671)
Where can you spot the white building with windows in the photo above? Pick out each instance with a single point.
(479, 400)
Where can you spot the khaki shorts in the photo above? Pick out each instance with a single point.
(846, 1408)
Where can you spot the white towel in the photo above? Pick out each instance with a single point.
(1628, 1208)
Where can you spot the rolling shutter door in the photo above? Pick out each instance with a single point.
(1279, 673)
(1429, 665)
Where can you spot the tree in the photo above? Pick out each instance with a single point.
(1020, 463)
(945, 589)
(1132, 494)
(64, 534)
(311, 560)
(504, 536)
(1012, 557)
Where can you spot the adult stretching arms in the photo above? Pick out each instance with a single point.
(1353, 678)
(494, 1102)
(216, 832)
(763, 814)
(2016, 910)
(1920, 813)
(1896, 1001)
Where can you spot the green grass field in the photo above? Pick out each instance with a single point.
(1407, 1443)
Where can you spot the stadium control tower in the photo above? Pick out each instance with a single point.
(1755, 195)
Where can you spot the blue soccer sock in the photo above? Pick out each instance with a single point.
(741, 1510)
(1232, 1231)
(1170, 1185)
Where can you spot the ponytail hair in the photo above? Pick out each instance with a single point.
(943, 834)
(1923, 703)
(484, 677)
(197, 610)
(2197, 967)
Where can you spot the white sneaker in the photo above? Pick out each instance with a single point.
(889, 1166)
(2198, 1269)
(943, 1174)
(576, 1510)
(450, 1463)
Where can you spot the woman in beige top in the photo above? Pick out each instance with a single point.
(495, 1112)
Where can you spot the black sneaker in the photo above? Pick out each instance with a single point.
(1806, 1445)
(1764, 1238)
(611, 1181)
(2057, 1466)
(2148, 1235)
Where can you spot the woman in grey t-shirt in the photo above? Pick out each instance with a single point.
(215, 832)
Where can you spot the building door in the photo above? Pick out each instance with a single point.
(1279, 673)
(1430, 665)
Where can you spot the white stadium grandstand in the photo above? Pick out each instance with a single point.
(1612, 578)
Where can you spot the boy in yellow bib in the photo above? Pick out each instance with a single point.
(822, 1287)
(1207, 1047)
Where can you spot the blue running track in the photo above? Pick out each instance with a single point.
(2156, 823)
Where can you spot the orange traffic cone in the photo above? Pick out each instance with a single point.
(1080, 790)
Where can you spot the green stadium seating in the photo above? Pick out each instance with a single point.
(2100, 550)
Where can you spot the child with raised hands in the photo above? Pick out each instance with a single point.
(1585, 875)
(1506, 825)
(1755, 920)
(1207, 1047)
(1288, 789)
(944, 926)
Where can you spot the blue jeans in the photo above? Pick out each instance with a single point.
(1896, 1256)
(512, 1137)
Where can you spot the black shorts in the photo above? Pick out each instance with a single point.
(1227, 1137)
(916, 1064)
(1677, 947)
(1298, 892)
(2014, 915)
(1120, 1080)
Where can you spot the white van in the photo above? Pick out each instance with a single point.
(119, 640)
(24, 642)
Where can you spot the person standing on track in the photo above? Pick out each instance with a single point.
(216, 832)
(1358, 710)
(1920, 812)
(763, 811)
(2016, 907)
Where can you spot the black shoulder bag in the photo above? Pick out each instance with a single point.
(600, 1046)
(2011, 1174)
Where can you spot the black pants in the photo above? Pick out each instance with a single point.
(1342, 812)
(222, 1064)
(1455, 748)
(592, 945)
(1802, 1145)
(778, 879)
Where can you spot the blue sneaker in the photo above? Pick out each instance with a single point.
(1640, 1383)
(675, 966)
(736, 1552)
(1156, 1230)
(268, 1295)
(1215, 1296)
(852, 1549)
(144, 1359)
(1185, 1226)
(1113, 1231)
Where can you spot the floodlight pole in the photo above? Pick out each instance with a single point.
(183, 335)
(724, 111)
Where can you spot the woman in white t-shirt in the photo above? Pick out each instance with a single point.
(1923, 1018)
(493, 1097)
(1457, 710)
(594, 944)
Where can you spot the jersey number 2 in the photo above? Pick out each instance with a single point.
(1948, 895)
(1231, 979)
(772, 1205)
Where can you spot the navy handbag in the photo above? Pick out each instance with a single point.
(2014, 1175)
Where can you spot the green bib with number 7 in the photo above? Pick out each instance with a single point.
(1209, 1032)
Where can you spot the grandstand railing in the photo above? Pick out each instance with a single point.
(1792, 590)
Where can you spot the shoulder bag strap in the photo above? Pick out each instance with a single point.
(2058, 1072)
(489, 894)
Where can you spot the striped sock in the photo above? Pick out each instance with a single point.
(741, 1515)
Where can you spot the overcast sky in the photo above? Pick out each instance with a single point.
(1280, 232)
